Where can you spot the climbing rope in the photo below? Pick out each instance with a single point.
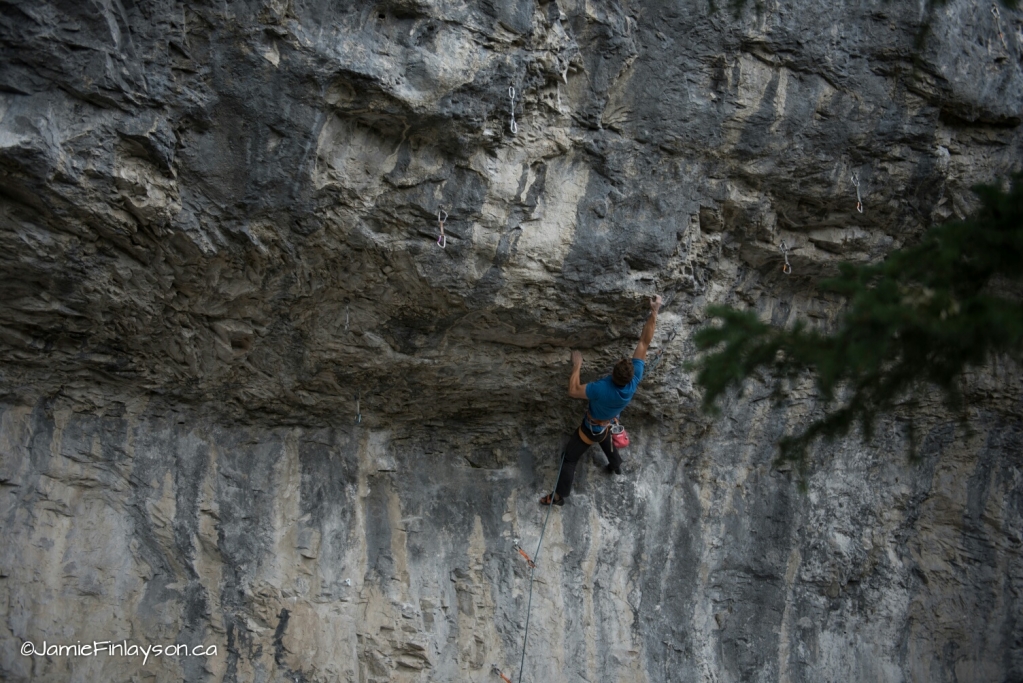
(358, 409)
(531, 563)
(532, 569)
(346, 317)
(786, 268)
(859, 201)
(442, 240)
(514, 126)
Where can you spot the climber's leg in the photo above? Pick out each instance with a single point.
(614, 459)
(574, 450)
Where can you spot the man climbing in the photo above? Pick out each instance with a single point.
(608, 396)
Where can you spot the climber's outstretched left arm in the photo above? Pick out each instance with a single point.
(575, 389)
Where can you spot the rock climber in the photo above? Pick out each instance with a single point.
(608, 396)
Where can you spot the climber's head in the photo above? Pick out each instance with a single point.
(622, 374)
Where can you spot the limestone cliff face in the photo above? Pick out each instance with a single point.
(247, 400)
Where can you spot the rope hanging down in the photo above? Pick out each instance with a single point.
(531, 562)
(442, 240)
(358, 409)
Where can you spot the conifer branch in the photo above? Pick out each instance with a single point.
(913, 322)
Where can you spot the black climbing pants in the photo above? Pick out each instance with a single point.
(574, 450)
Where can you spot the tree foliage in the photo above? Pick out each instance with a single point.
(913, 322)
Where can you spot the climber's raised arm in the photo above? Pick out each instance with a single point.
(647, 335)
(575, 389)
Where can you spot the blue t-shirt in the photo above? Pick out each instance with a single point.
(607, 399)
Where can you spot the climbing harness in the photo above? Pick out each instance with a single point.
(531, 563)
(602, 433)
(358, 409)
(998, 24)
(442, 240)
(513, 126)
(859, 202)
(786, 268)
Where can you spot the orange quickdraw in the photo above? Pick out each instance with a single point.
(529, 560)
(503, 677)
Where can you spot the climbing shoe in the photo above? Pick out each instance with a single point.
(546, 500)
(611, 469)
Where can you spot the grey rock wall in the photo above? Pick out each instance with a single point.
(218, 227)
(368, 555)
